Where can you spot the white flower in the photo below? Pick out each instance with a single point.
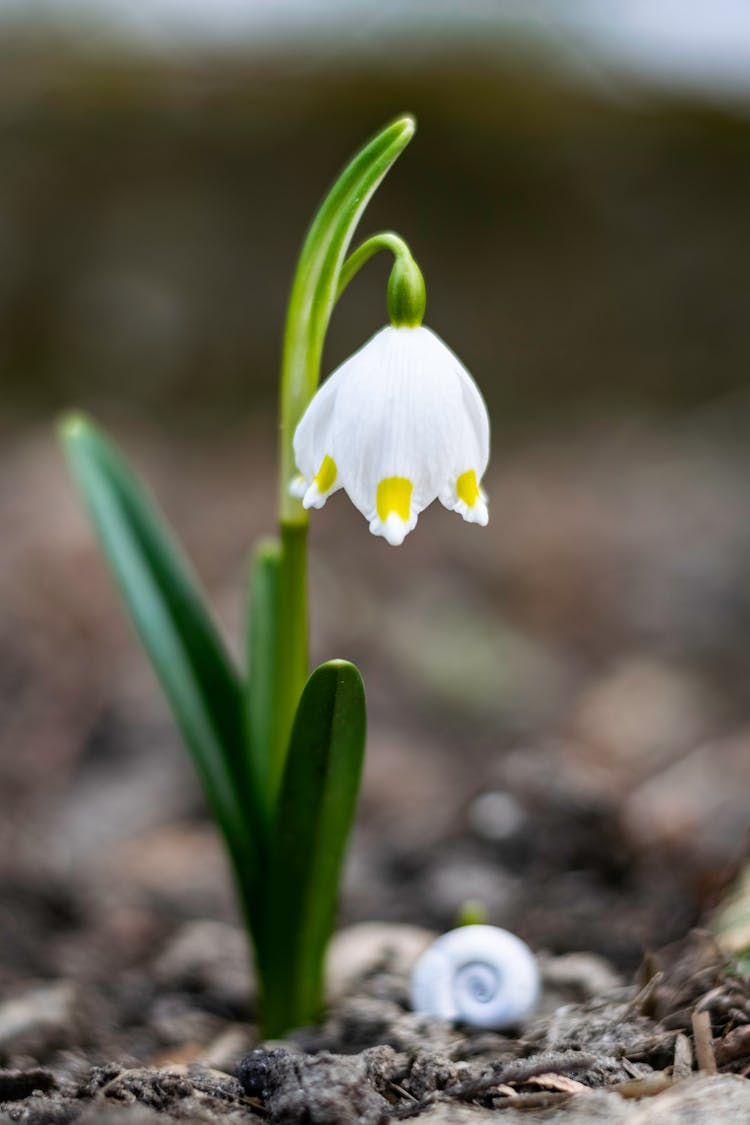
(397, 425)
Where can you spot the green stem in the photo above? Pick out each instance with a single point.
(406, 290)
(292, 649)
(385, 240)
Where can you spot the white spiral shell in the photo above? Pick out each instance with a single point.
(481, 975)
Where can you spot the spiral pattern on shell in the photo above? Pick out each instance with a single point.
(480, 975)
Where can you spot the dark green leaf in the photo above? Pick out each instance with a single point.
(169, 612)
(315, 813)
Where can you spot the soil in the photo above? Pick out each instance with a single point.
(558, 730)
(373, 1060)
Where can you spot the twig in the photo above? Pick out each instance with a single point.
(499, 1076)
(402, 1092)
(683, 1057)
(704, 1048)
(640, 1001)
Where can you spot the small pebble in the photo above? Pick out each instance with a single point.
(253, 1071)
(496, 816)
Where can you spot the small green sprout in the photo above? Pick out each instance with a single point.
(279, 751)
(472, 912)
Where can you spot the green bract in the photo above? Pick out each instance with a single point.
(278, 751)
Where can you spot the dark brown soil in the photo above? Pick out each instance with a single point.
(372, 1061)
(559, 729)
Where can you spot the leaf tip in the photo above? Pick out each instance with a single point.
(343, 671)
(72, 425)
(338, 664)
(408, 125)
(267, 550)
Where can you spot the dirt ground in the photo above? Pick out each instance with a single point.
(559, 730)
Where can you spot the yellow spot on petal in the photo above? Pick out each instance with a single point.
(394, 495)
(325, 478)
(467, 488)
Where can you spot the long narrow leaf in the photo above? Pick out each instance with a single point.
(169, 612)
(315, 813)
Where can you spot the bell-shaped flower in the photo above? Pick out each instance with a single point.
(398, 425)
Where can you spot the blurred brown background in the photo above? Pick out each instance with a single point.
(560, 722)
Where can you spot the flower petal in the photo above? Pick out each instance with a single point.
(312, 447)
(298, 486)
(395, 518)
(471, 502)
(395, 417)
(463, 492)
(325, 481)
(476, 421)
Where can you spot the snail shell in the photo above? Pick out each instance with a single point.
(481, 975)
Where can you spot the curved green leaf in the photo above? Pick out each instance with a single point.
(169, 612)
(314, 817)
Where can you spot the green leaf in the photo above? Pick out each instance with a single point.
(262, 634)
(169, 612)
(315, 814)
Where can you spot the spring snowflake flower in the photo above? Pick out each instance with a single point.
(399, 424)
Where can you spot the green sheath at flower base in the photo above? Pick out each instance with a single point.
(406, 293)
